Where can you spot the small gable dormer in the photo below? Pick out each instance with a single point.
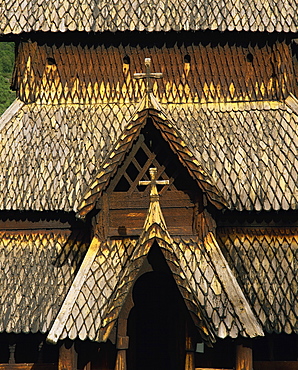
(119, 199)
(126, 201)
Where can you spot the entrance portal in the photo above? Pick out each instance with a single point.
(157, 323)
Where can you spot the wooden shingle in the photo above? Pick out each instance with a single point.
(88, 15)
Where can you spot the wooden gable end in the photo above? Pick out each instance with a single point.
(124, 205)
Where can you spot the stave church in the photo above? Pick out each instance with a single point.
(149, 186)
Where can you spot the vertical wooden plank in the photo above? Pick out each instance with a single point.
(189, 348)
(244, 359)
(122, 344)
(67, 357)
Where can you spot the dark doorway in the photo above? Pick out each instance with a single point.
(157, 322)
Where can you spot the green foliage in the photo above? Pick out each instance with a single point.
(6, 66)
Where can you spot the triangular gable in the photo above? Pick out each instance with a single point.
(155, 230)
(124, 144)
(155, 234)
(95, 299)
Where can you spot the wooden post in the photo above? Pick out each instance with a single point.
(12, 349)
(189, 347)
(67, 357)
(244, 359)
(122, 344)
(190, 354)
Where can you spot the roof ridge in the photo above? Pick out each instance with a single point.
(69, 301)
(241, 306)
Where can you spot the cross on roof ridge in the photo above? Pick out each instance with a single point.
(148, 75)
(153, 182)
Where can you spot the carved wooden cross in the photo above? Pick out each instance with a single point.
(153, 182)
(147, 75)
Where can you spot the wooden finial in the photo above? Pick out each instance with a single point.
(148, 75)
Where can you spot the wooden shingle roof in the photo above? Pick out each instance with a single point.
(265, 262)
(197, 265)
(249, 150)
(36, 270)
(19, 16)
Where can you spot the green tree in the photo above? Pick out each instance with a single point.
(6, 66)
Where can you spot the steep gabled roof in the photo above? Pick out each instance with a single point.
(90, 15)
(179, 147)
(155, 231)
(105, 279)
(115, 292)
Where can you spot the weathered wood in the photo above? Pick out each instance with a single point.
(67, 357)
(121, 360)
(122, 344)
(33, 225)
(234, 292)
(190, 354)
(139, 200)
(130, 222)
(12, 348)
(244, 359)
(88, 366)
(102, 220)
(71, 297)
(127, 214)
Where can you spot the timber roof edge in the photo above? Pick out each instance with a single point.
(124, 144)
(10, 112)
